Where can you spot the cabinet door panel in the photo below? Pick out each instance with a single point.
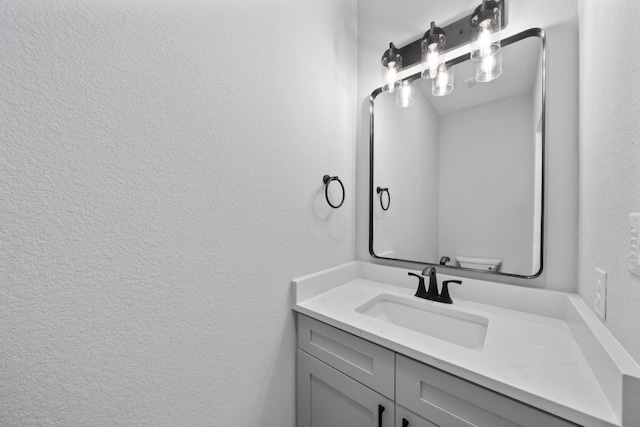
(364, 361)
(328, 398)
(447, 400)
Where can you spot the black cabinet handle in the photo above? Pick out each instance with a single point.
(405, 422)
(380, 411)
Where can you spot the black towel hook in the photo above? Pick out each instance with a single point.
(381, 190)
(327, 180)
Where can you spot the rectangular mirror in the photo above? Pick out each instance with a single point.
(462, 176)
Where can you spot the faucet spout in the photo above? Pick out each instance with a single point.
(433, 282)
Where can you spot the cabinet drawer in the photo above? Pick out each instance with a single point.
(450, 401)
(362, 360)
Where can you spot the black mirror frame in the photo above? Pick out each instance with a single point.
(532, 32)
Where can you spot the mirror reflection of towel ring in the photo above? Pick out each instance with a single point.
(327, 180)
(381, 190)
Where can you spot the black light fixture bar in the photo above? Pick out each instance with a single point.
(458, 34)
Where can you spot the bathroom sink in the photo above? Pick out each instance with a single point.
(441, 322)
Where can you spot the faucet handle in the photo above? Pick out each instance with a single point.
(444, 295)
(421, 289)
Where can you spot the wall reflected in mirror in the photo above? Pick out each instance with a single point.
(464, 171)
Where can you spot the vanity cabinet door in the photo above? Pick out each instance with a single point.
(329, 398)
(447, 400)
(406, 418)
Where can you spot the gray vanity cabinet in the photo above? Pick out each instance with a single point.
(346, 381)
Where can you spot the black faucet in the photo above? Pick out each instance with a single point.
(432, 293)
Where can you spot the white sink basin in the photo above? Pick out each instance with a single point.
(437, 321)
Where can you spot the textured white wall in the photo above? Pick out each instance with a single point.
(610, 158)
(160, 185)
(405, 21)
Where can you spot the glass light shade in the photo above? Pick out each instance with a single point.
(432, 55)
(489, 68)
(391, 67)
(485, 30)
(390, 80)
(404, 95)
(443, 83)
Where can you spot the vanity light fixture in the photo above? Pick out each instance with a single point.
(433, 44)
(485, 41)
(391, 66)
(404, 95)
(480, 28)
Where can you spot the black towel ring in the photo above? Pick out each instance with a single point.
(381, 190)
(327, 180)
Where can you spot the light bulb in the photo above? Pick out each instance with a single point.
(443, 83)
(432, 44)
(485, 38)
(442, 79)
(485, 30)
(404, 96)
(433, 60)
(488, 63)
(489, 67)
(391, 65)
(392, 75)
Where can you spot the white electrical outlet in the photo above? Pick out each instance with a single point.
(600, 297)
(634, 253)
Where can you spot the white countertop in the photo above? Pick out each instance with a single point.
(530, 354)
